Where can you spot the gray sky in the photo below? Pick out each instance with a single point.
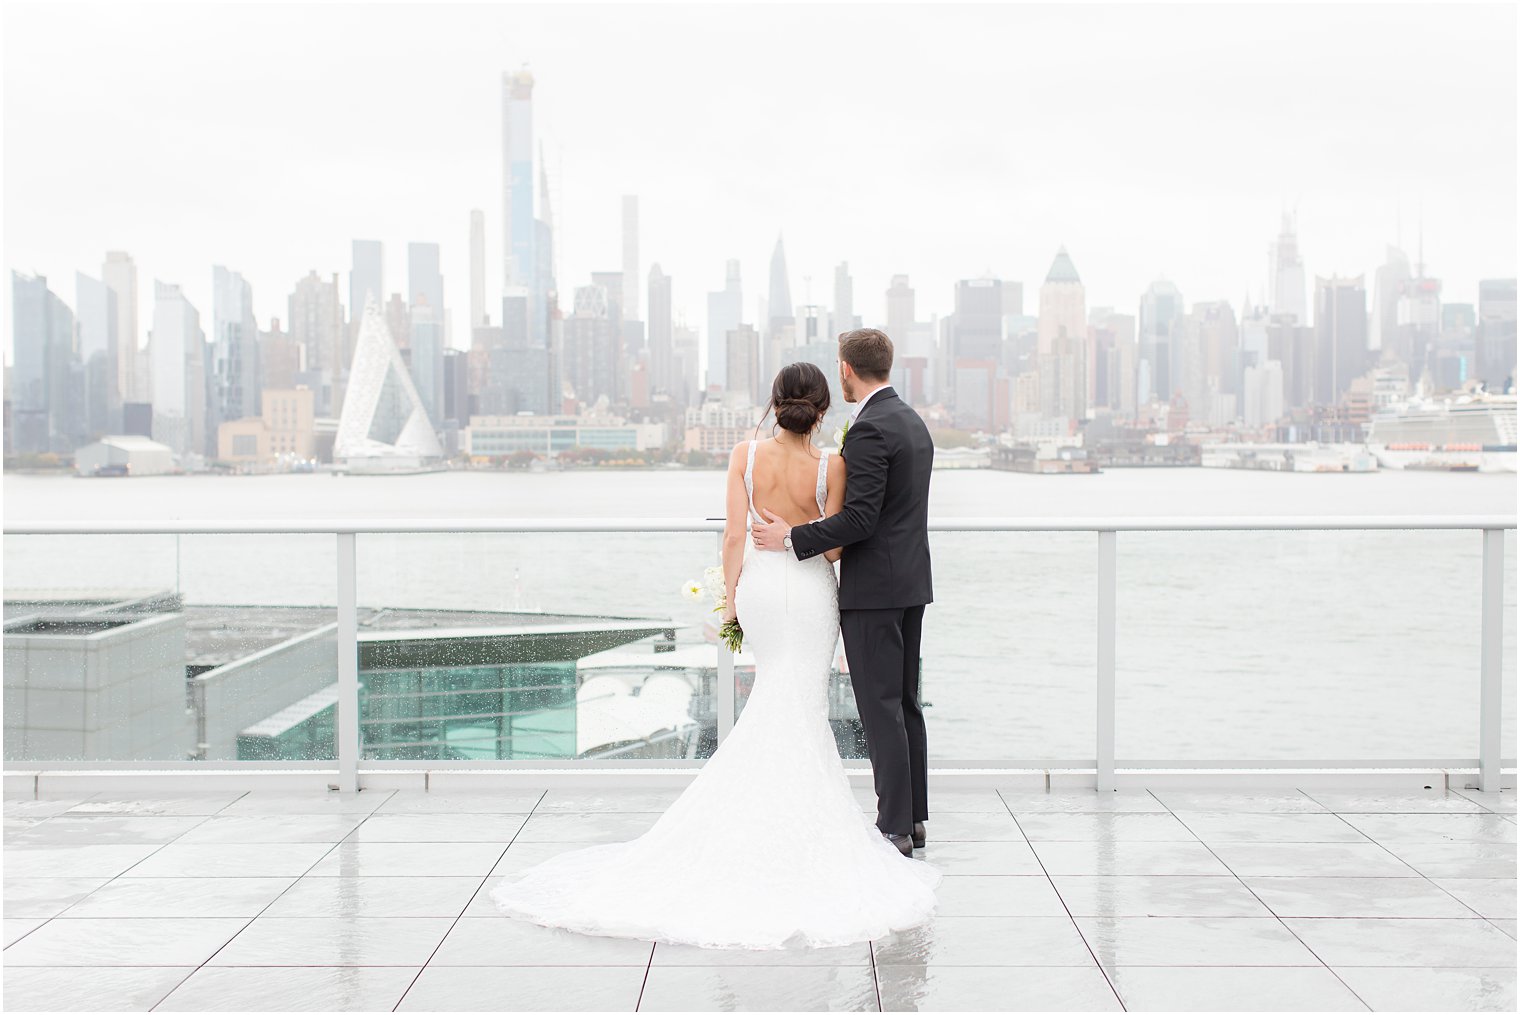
(942, 142)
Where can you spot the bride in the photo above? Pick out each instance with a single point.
(767, 847)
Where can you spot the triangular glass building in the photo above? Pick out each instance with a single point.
(383, 427)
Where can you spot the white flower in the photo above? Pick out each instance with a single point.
(714, 581)
(692, 590)
(839, 438)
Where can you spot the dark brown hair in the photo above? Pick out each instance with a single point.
(869, 353)
(799, 397)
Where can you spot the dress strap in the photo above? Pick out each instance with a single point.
(823, 480)
(749, 482)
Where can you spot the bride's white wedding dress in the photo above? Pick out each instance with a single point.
(767, 847)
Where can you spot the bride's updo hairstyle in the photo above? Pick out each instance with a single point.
(799, 397)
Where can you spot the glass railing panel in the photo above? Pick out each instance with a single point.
(169, 648)
(1308, 645)
(1507, 740)
(534, 646)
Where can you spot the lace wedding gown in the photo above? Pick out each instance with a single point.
(767, 847)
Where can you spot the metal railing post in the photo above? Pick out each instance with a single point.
(1491, 688)
(348, 667)
(1107, 595)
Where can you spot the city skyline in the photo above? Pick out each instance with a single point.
(160, 215)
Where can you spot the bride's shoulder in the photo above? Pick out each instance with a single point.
(836, 462)
(740, 455)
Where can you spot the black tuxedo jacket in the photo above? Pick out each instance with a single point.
(884, 524)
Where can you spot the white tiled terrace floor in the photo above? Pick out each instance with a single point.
(1139, 900)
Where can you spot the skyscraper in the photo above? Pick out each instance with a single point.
(235, 354)
(366, 281)
(1063, 303)
(1495, 339)
(978, 319)
(1160, 311)
(1285, 274)
(900, 310)
(844, 300)
(661, 333)
(43, 336)
(96, 305)
(779, 298)
(1340, 336)
(315, 318)
(725, 309)
(426, 308)
(178, 346)
(631, 258)
(120, 274)
(477, 269)
(520, 230)
(743, 361)
(1386, 282)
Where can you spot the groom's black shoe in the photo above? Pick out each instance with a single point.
(918, 835)
(904, 843)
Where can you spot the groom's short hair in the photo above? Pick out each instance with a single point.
(869, 353)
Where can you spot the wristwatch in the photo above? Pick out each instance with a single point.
(786, 540)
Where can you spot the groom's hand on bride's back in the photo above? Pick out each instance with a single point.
(769, 536)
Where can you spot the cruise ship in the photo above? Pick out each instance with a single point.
(1465, 433)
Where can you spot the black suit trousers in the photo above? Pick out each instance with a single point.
(882, 647)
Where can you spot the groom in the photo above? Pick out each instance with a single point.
(884, 576)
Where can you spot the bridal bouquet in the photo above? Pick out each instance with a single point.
(712, 584)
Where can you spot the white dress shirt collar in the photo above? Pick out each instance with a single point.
(862, 403)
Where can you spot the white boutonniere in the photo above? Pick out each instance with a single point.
(840, 434)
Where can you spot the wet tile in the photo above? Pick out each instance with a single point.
(522, 855)
(334, 941)
(1232, 988)
(16, 929)
(497, 828)
(180, 897)
(1128, 858)
(45, 897)
(212, 860)
(980, 857)
(606, 801)
(610, 827)
(1412, 802)
(1490, 897)
(1265, 802)
(190, 804)
(70, 829)
(308, 802)
(409, 859)
(1407, 897)
(1245, 826)
(964, 800)
(74, 861)
(972, 826)
(756, 988)
(1358, 942)
(1508, 926)
(994, 988)
(508, 942)
(1311, 859)
(1457, 859)
(29, 808)
(1502, 802)
(1080, 802)
(406, 801)
(1119, 827)
(122, 942)
(292, 988)
(245, 828)
(375, 896)
(1008, 895)
(1418, 989)
(1193, 941)
(108, 988)
(1151, 895)
(986, 941)
(1434, 827)
(690, 955)
(550, 988)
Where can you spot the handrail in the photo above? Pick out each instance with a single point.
(1128, 523)
(1491, 528)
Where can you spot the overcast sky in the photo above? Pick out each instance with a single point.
(943, 142)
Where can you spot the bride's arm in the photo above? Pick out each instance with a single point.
(735, 526)
(834, 502)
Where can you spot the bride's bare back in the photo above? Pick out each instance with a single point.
(785, 480)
